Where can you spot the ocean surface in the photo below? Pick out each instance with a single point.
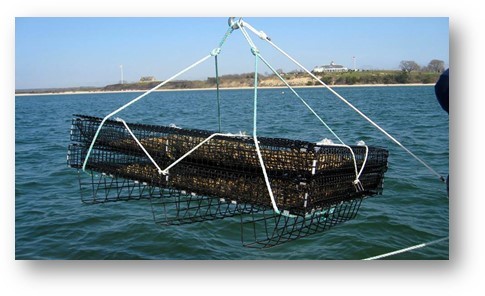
(51, 222)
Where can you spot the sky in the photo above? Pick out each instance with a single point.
(88, 51)
(467, 44)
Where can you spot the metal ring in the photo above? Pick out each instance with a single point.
(232, 23)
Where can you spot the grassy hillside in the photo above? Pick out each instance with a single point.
(247, 80)
(294, 79)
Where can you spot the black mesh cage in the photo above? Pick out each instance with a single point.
(311, 184)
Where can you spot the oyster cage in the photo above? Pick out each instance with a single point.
(312, 184)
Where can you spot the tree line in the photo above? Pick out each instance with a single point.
(434, 66)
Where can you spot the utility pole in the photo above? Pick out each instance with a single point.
(121, 69)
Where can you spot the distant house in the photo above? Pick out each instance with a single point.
(147, 79)
(330, 68)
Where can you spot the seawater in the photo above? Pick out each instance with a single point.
(52, 223)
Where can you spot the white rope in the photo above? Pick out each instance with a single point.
(139, 144)
(135, 100)
(255, 52)
(358, 185)
(356, 182)
(356, 169)
(407, 249)
(260, 34)
(166, 171)
(246, 35)
(364, 162)
(265, 174)
(301, 99)
(214, 52)
(363, 115)
(263, 36)
(357, 172)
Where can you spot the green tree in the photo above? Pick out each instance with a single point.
(352, 80)
(402, 77)
(436, 66)
(388, 79)
(409, 66)
(327, 80)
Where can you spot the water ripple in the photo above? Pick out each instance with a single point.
(52, 223)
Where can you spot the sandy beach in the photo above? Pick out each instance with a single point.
(223, 89)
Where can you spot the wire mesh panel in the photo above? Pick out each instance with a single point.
(268, 229)
(104, 183)
(180, 207)
(223, 177)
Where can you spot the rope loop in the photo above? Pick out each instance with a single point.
(358, 185)
(254, 51)
(216, 51)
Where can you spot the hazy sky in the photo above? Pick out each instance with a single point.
(69, 52)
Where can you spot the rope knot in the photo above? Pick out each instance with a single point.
(254, 51)
(358, 185)
(216, 51)
(263, 35)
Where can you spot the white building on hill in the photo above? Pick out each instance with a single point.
(330, 68)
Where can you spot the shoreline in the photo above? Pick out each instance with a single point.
(213, 88)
